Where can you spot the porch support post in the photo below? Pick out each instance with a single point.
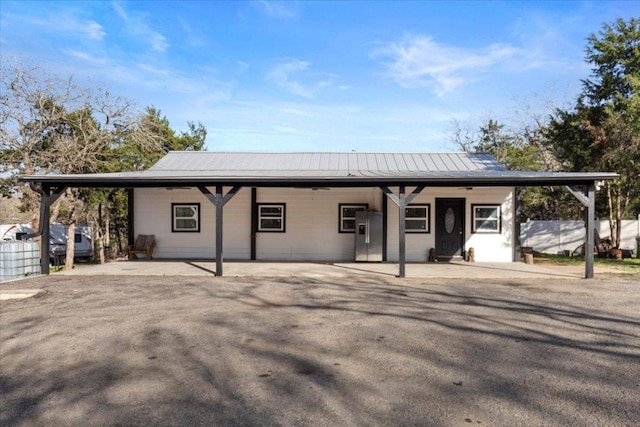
(385, 213)
(589, 202)
(591, 223)
(219, 200)
(219, 213)
(131, 231)
(401, 200)
(47, 198)
(402, 249)
(517, 242)
(254, 222)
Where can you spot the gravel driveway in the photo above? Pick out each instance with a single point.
(341, 351)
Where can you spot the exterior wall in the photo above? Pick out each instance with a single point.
(153, 216)
(312, 224)
(488, 247)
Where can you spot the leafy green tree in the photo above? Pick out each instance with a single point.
(139, 148)
(602, 131)
(151, 139)
(522, 150)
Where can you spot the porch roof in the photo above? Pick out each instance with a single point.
(183, 168)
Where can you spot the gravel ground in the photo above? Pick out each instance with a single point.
(341, 351)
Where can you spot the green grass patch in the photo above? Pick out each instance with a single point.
(627, 264)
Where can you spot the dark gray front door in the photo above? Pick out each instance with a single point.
(449, 228)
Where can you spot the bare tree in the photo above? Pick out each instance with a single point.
(51, 125)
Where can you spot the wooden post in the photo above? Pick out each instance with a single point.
(219, 201)
(131, 236)
(47, 198)
(254, 222)
(219, 214)
(45, 237)
(588, 250)
(401, 200)
(589, 202)
(402, 249)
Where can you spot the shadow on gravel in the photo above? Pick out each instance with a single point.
(197, 351)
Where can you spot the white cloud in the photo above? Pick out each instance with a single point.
(283, 76)
(85, 56)
(419, 61)
(138, 27)
(296, 77)
(158, 41)
(278, 9)
(242, 66)
(68, 23)
(120, 11)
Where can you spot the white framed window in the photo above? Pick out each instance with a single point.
(271, 217)
(486, 219)
(417, 218)
(185, 217)
(347, 216)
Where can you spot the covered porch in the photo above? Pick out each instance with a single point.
(400, 176)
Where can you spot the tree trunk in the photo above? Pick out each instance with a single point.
(107, 229)
(55, 211)
(119, 237)
(99, 236)
(68, 264)
(99, 247)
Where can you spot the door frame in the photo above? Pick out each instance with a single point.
(463, 221)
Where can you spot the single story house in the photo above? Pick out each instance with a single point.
(326, 206)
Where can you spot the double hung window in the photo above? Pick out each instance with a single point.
(185, 217)
(271, 217)
(486, 218)
(417, 218)
(347, 213)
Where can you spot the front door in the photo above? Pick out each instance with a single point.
(449, 228)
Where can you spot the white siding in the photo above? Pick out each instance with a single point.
(488, 247)
(312, 222)
(153, 216)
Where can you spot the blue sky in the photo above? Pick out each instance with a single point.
(318, 76)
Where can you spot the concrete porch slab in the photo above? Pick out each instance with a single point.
(337, 269)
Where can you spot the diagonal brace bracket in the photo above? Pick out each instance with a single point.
(578, 195)
(405, 200)
(46, 201)
(217, 200)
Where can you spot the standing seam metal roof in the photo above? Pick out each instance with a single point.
(363, 162)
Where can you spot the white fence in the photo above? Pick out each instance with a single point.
(19, 259)
(554, 236)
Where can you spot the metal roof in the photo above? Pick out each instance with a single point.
(366, 163)
(189, 168)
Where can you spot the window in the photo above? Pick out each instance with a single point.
(271, 217)
(348, 216)
(417, 218)
(486, 218)
(185, 217)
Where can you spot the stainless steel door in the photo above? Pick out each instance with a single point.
(375, 237)
(362, 240)
(368, 239)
